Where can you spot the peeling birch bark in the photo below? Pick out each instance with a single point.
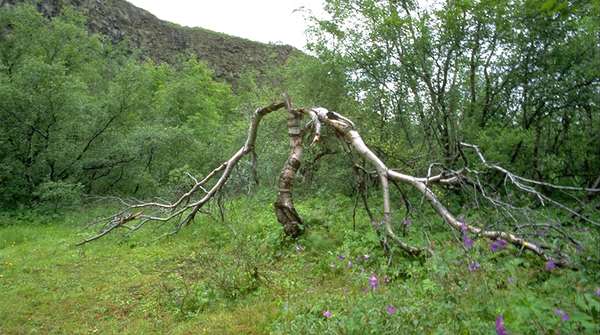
(285, 211)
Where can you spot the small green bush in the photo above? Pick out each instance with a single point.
(55, 194)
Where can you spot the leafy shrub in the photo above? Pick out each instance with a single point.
(59, 194)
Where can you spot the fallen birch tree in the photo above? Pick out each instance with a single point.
(182, 211)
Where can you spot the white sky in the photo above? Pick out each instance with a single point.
(258, 20)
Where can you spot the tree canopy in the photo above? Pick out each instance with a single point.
(521, 78)
(82, 115)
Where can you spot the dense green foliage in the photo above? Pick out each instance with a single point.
(520, 78)
(79, 114)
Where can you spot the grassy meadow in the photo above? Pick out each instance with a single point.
(241, 276)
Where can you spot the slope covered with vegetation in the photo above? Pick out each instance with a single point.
(120, 21)
(85, 124)
(81, 115)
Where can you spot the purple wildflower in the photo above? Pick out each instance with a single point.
(500, 329)
(467, 241)
(327, 314)
(512, 280)
(366, 257)
(463, 224)
(550, 265)
(474, 266)
(598, 292)
(562, 314)
(498, 245)
(407, 222)
(373, 282)
(391, 310)
(341, 257)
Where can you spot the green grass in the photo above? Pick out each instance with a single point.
(242, 277)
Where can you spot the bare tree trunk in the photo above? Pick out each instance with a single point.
(284, 205)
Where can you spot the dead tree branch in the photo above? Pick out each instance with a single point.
(527, 185)
(183, 210)
(346, 130)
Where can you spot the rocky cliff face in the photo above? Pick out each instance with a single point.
(163, 41)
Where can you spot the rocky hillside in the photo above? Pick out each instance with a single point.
(163, 41)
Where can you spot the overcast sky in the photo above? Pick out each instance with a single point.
(258, 20)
